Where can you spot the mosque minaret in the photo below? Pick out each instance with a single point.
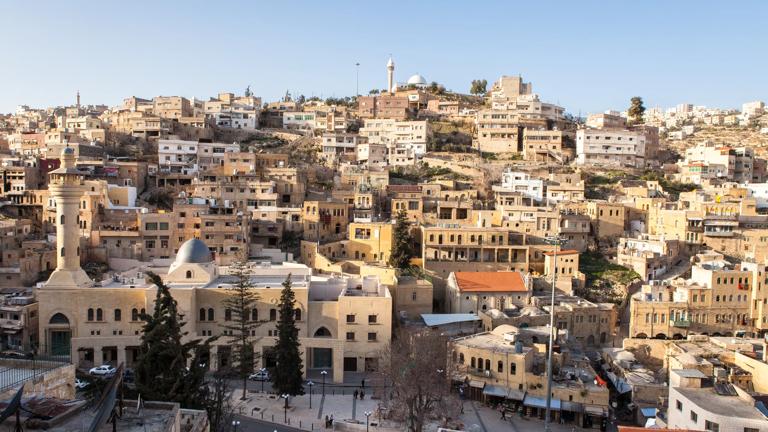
(66, 184)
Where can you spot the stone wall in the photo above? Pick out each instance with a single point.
(58, 383)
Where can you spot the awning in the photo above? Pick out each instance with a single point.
(493, 390)
(620, 385)
(476, 384)
(649, 412)
(517, 395)
(537, 402)
(596, 410)
(573, 407)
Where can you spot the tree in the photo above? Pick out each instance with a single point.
(374, 92)
(161, 371)
(415, 367)
(287, 376)
(219, 404)
(248, 91)
(240, 303)
(162, 198)
(636, 110)
(402, 247)
(433, 86)
(478, 87)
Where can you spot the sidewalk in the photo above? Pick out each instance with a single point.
(343, 408)
(479, 418)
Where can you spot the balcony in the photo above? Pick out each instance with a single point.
(681, 323)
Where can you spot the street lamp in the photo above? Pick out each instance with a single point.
(323, 373)
(556, 241)
(367, 417)
(263, 377)
(310, 384)
(285, 408)
(235, 424)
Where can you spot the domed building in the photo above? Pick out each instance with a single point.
(417, 80)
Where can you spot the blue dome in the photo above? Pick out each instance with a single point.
(193, 251)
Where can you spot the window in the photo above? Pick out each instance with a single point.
(211, 315)
(90, 314)
(513, 368)
(371, 336)
(201, 316)
(694, 416)
(297, 314)
(487, 364)
(227, 314)
(150, 226)
(371, 319)
(189, 274)
(273, 314)
(118, 315)
(461, 358)
(99, 315)
(472, 363)
(711, 426)
(679, 406)
(254, 314)
(350, 336)
(350, 318)
(500, 367)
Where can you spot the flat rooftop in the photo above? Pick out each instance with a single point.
(728, 406)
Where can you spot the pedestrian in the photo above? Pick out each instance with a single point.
(327, 422)
(331, 421)
(355, 393)
(362, 384)
(362, 395)
(503, 414)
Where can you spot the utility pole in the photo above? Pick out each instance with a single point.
(557, 241)
(357, 79)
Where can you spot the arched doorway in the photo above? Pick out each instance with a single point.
(661, 336)
(323, 332)
(591, 340)
(59, 335)
(641, 336)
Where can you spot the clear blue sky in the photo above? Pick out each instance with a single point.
(587, 56)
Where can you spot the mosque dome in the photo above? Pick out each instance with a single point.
(417, 80)
(193, 251)
(68, 151)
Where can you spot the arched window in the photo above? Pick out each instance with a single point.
(143, 311)
(99, 315)
(461, 358)
(210, 314)
(480, 363)
(487, 364)
(59, 318)
(472, 362)
(254, 314)
(201, 315)
(297, 315)
(273, 314)
(62, 252)
(134, 314)
(61, 220)
(322, 332)
(118, 315)
(189, 274)
(78, 251)
(227, 314)
(245, 315)
(90, 314)
(500, 367)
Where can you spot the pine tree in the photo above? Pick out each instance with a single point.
(402, 248)
(287, 378)
(636, 110)
(161, 370)
(241, 302)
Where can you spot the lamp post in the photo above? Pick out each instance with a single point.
(310, 384)
(263, 377)
(285, 408)
(556, 241)
(367, 417)
(323, 373)
(235, 424)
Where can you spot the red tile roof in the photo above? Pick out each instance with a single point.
(490, 281)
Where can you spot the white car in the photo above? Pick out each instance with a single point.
(80, 384)
(259, 376)
(102, 370)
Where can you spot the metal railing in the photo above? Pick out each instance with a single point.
(20, 366)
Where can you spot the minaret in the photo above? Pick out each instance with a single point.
(390, 75)
(66, 187)
(78, 100)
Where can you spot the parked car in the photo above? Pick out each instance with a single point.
(80, 384)
(259, 376)
(102, 370)
(15, 354)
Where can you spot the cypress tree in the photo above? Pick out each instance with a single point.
(161, 370)
(287, 378)
(402, 247)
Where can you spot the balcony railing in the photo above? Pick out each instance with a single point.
(681, 323)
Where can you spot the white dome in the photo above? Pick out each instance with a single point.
(417, 80)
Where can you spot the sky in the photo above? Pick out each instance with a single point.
(588, 56)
